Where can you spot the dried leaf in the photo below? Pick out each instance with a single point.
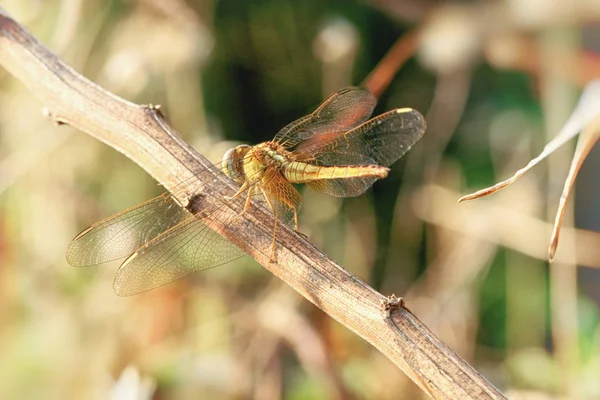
(586, 119)
(587, 109)
(588, 138)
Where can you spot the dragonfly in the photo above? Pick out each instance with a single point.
(336, 150)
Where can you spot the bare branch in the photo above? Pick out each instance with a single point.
(379, 79)
(143, 135)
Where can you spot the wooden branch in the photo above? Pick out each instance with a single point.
(141, 133)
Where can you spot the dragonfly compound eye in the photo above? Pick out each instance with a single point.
(227, 164)
(233, 161)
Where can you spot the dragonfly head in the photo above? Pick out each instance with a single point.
(233, 163)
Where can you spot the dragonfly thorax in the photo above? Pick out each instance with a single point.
(248, 163)
(233, 163)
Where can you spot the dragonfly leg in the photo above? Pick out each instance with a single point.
(296, 225)
(273, 257)
(248, 199)
(296, 220)
(239, 192)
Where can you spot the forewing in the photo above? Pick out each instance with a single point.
(342, 111)
(379, 141)
(121, 234)
(187, 248)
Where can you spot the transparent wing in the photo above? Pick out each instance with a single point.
(342, 111)
(347, 187)
(121, 234)
(194, 245)
(283, 199)
(379, 141)
(164, 241)
(187, 248)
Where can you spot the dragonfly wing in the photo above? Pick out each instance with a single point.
(379, 141)
(121, 234)
(281, 196)
(342, 111)
(187, 248)
(348, 187)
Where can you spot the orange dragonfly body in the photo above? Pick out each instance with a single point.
(336, 150)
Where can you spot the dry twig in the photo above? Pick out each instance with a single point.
(386, 69)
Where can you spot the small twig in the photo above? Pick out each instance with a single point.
(144, 136)
(390, 64)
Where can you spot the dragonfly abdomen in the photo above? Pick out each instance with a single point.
(301, 172)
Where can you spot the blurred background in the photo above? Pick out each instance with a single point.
(496, 80)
